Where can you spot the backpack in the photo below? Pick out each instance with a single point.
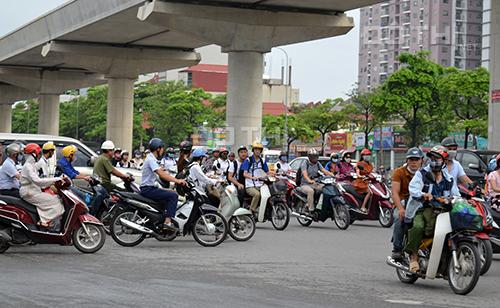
(298, 177)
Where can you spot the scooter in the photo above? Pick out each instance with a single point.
(272, 203)
(137, 218)
(240, 220)
(486, 239)
(18, 223)
(379, 206)
(454, 255)
(329, 204)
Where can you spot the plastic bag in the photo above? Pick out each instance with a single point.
(464, 216)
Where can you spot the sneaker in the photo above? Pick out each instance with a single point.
(397, 255)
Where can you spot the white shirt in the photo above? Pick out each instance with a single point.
(457, 171)
(169, 163)
(224, 166)
(284, 167)
(199, 178)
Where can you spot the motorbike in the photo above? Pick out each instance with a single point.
(489, 235)
(18, 223)
(379, 206)
(241, 222)
(137, 218)
(329, 204)
(272, 203)
(454, 255)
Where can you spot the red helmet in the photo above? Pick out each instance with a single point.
(32, 148)
(439, 151)
(366, 152)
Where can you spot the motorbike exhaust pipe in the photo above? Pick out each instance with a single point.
(391, 262)
(297, 215)
(4, 237)
(135, 226)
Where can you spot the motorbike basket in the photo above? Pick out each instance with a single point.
(463, 216)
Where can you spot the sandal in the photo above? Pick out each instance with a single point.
(46, 225)
(414, 267)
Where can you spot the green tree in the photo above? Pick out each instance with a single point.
(412, 94)
(274, 130)
(323, 118)
(466, 93)
(25, 117)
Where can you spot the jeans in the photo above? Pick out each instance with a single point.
(167, 198)
(82, 195)
(99, 196)
(397, 233)
(13, 192)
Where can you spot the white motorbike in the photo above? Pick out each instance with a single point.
(454, 256)
(241, 223)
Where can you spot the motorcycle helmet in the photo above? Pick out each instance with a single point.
(155, 143)
(414, 153)
(438, 151)
(69, 150)
(33, 148)
(242, 148)
(449, 142)
(49, 146)
(108, 145)
(185, 146)
(365, 152)
(312, 153)
(13, 149)
(257, 145)
(199, 152)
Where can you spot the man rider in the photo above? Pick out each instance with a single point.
(168, 162)
(209, 163)
(9, 175)
(310, 169)
(400, 194)
(184, 152)
(221, 164)
(282, 166)
(152, 168)
(42, 165)
(103, 168)
(254, 168)
(427, 184)
(117, 157)
(453, 167)
(137, 161)
(233, 173)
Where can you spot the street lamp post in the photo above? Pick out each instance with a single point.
(287, 85)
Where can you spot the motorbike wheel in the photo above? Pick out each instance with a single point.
(105, 217)
(406, 277)
(167, 237)
(91, 242)
(301, 207)
(123, 235)
(4, 247)
(341, 216)
(385, 217)
(463, 279)
(486, 254)
(280, 216)
(210, 229)
(241, 228)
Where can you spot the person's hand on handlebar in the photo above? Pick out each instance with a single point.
(181, 182)
(88, 178)
(427, 197)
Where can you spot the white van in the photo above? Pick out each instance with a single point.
(84, 157)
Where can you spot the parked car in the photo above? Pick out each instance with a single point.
(84, 157)
(475, 163)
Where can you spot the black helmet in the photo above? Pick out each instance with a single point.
(414, 153)
(283, 153)
(449, 142)
(155, 144)
(242, 148)
(186, 146)
(170, 150)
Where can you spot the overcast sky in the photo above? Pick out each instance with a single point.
(321, 69)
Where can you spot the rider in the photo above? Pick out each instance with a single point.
(124, 160)
(427, 184)
(209, 162)
(137, 162)
(9, 176)
(453, 167)
(49, 207)
(65, 163)
(332, 164)
(152, 168)
(42, 165)
(196, 174)
(344, 168)
(168, 162)
(117, 157)
(363, 168)
(310, 169)
(233, 173)
(231, 157)
(184, 152)
(282, 166)
(494, 186)
(221, 164)
(254, 168)
(400, 194)
(103, 167)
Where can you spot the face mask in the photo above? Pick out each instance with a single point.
(436, 165)
(283, 158)
(20, 158)
(452, 154)
(171, 155)
(335, 160)
(348, 160)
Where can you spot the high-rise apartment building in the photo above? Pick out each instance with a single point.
(450, 29)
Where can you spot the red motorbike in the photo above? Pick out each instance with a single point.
(379, 206)
(18, 223)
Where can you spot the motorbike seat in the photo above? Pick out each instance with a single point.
(20, 203)
(140, 198)
(300, 192)
(351, 190)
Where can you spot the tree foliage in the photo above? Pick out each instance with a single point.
(274, 130)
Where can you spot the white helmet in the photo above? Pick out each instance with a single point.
(312, 152)
(108, 145)
(13, 148)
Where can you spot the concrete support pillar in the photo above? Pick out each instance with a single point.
(48, 114)
(120, 118)
(5, 118)
(494, 107)
(244, 97)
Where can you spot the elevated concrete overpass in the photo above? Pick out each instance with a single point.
(90, 42)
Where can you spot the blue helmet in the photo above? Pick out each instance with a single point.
(155, 144)
(199, 152)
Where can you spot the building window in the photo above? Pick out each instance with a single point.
(190, 79)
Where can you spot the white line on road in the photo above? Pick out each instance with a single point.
(403, 302)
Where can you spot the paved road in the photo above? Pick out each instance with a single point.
(319, 266)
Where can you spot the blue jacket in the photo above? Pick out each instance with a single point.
(67, 168)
